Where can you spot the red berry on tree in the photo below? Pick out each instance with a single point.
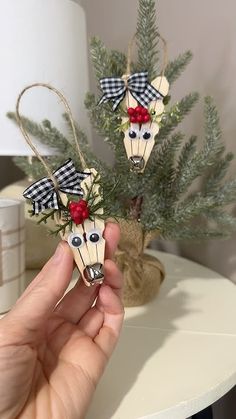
(72, 205)
(78, 220)
(146, 118)
(83, 203)
(144, 111)
(85, 213)
(140, 119)
(131, 111)
(138, 109)
(133, 119)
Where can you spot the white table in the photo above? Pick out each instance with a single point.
(177, 354)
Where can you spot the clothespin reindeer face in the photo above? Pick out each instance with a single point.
(85, 236)
(143, 103)
(142, 125)
(75, 202)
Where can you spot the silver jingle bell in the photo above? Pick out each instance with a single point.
(136, 163)
(94, 274)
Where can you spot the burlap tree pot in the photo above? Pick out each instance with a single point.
(143, 273)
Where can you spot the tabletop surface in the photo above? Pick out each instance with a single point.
(176, 355)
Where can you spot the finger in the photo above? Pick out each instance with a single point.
(47, 289)
(112, 236)
(80, 299)
(113, 276)
(110, 304)
(38, 278)
(92, 320)
(76, 302)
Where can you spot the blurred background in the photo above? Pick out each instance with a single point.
(208, 29)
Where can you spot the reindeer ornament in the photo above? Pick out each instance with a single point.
(74, 200)
(142, 124)
(142, 103)
(84, 233)
(144, 107)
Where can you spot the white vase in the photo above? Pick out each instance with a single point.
(39, 245)
(12, 251)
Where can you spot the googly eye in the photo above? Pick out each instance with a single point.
(133, 134)
(75, 240)
(146, 135)
(94, 236)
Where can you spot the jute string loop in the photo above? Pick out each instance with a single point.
(27, 137)
(165, 54)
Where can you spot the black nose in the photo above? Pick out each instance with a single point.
(136, 163)
(94, 273)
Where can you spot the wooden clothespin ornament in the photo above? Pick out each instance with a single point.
(74, 200)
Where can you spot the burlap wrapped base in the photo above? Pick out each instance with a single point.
(143, 273)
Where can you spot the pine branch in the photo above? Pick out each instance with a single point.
(222, 218)
(100, 58)
(213, 178)
(48, 135)
(91, 159)
(193, 164)
(147, 38)
(176, 114)
(104, 121)
(165, 159)
(118, 63)
(199, 204)
(159, 187)
(45, 132)
(36, 170)
(193, 206)
(177, 66)
(181, 180)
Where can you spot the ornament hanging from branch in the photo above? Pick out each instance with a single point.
(74, 200)
(142, 108)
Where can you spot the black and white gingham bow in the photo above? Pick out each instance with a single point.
(43, 192)
(114, 89)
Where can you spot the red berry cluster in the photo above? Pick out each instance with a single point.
(79, 211)
(138, 115)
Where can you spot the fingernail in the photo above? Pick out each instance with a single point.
(58, 253)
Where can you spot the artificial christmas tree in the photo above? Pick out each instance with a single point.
(157, 202)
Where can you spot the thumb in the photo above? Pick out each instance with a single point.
(39, 300)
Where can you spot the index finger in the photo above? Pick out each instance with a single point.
(112, 237)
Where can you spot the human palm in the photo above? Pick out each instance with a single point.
(53, 355)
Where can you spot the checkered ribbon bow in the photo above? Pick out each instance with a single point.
(43, 192)
(114, 89)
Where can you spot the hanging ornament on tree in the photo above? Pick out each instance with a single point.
(143, 104)
(141, 125)
(74, 201)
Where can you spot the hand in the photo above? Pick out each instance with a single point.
(52, 354)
